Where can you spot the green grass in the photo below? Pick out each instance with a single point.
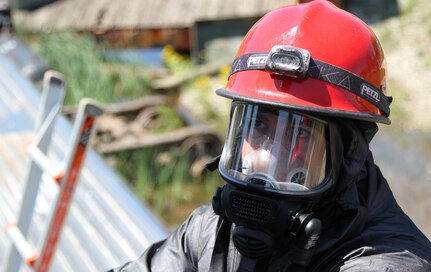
(77, 57)
(162, 177)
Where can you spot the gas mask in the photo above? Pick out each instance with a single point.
(276, 166)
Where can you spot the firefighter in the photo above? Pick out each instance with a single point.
(302, 191)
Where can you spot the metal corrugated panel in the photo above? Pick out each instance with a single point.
(141, 14)
(107, 224)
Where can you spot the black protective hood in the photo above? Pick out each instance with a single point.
(342, 208)
(349, 148)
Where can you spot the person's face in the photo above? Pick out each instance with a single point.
(270, 128)
(280, 145)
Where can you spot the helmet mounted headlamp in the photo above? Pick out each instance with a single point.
(288, 61)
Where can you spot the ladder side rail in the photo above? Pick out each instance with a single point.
(52, 97)
(75, 157)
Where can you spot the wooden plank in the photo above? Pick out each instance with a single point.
(174, 81)
(127, 106)
(148, 140)
(138, 14)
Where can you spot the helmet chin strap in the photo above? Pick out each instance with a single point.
(264, 224)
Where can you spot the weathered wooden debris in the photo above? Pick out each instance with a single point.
(129, 142)
(176, 80)
(127, 126)
(129, 106)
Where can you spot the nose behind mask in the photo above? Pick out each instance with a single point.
(278, 166)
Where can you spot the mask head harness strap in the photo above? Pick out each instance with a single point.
(297, 63)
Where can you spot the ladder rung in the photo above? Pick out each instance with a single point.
(45, 163)
(27, 251)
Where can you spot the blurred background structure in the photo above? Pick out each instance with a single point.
(155, 65)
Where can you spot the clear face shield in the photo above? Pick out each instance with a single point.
(284, 152)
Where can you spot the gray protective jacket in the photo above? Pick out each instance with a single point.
(364, 228)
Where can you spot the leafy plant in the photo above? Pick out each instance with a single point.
(174, 61)
(162, 177)
(77, 57)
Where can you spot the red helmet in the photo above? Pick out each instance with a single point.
(315, 58)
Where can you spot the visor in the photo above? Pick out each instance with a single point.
(278, 150)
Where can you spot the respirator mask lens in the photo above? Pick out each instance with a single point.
(280, 150)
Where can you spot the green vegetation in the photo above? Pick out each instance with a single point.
(162, 177)
(77, 57)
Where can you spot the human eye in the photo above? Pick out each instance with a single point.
(260, 125)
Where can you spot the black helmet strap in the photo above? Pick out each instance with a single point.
(297, 63)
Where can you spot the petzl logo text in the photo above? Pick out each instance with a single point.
(370, 92)
(256, 60)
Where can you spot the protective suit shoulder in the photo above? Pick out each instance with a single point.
(366, 259)
(182, 250)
